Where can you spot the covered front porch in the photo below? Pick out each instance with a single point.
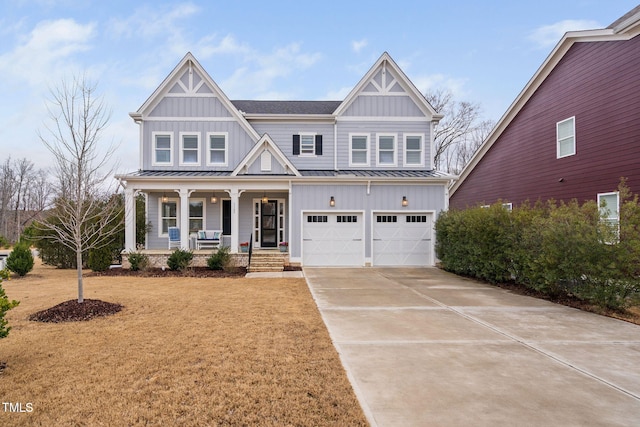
(255, 211)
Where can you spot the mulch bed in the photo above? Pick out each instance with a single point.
(73, 311)
(198, 272)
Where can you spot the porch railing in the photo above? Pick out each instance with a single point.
(250, 252)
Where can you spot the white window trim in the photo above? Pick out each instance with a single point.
(204, 211)
(226, 148)
(182, 162)
(169, 199)
(613, 193)
(395, 149)
(153, 150)
(422, 136)
(368, 156)
(573, 135)
(313, 135)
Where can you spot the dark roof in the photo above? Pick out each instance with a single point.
(180, 174)
(378, 173)
(286, 107)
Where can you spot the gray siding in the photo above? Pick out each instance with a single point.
(383, 106)
(190, 107)
(282, 135)
(239, 142)
(373, 128)
(355, 197)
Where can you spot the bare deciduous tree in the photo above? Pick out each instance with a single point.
(459, 133)
(82, 167)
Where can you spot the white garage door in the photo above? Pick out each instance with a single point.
(402, 239)
(332, 239)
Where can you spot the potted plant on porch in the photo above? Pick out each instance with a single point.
(244, 247)
(283, 246)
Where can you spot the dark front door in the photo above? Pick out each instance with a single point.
(269, 224)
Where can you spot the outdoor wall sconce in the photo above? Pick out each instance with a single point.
(165, 199)
(265, 199)
(405, 202)
(214, 199)
(332, 202)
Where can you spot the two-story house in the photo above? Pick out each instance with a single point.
(345, 183)
(573, 131)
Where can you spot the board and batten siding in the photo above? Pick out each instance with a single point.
(598, 83)
(186, 106)
(383, 106)
(239, 142)
(282, 135)
(345, 128)
(354, 197)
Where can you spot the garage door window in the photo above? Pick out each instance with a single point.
(316, 218)
(416, 218)
(386, 218)
(347, 218)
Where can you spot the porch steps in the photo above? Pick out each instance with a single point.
(266, 261)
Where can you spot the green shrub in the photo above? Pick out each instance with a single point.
(20, 260)
(180, 259)
(138, 261)
(4, 243)
(220, 259)
(5, 305)
(100, 259)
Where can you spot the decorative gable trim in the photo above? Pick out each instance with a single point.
(386, 78)
(265, 143)
(198, 84)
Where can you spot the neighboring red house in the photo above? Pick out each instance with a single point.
(573, 131)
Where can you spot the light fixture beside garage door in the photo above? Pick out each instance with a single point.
(332, 202)
(405, 202)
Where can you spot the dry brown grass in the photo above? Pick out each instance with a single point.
(183, 351)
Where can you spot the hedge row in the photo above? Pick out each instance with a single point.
(564, 248)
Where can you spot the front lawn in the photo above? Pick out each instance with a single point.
(183, 351)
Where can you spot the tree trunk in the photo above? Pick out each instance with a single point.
(79, 261)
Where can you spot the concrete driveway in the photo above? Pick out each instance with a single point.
(426, 348)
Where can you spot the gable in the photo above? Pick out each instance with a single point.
(265, 158)
(385, 91)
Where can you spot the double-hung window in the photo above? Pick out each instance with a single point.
(386, 150)
(217, 149)
(307, 144)
(610, 210)
(413, 149)
(162, 149)
(168, 215)
(566, 137)
(359, 153)
(190, 149)
(196, 215)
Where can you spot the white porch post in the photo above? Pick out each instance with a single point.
(184, 218)
(129, 220)
(235, 220)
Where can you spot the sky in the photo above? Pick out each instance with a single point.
(483, 51)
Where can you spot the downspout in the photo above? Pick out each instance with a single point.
(335, 145)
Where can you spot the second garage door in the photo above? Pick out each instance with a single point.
(332, 239)
(401, 239)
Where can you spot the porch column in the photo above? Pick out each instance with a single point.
(235, 220)
(184, 218)
(129, 220)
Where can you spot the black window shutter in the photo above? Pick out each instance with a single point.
(296, 145)
(318, 145)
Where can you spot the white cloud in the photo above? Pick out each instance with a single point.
(548, 35)
(46, 48)
(338, 95)
(149, 22)
(358, 45)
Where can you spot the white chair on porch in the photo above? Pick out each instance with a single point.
(174, 237)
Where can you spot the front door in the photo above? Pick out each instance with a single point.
(269, 224)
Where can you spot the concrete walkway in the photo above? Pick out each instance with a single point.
(425, 348)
